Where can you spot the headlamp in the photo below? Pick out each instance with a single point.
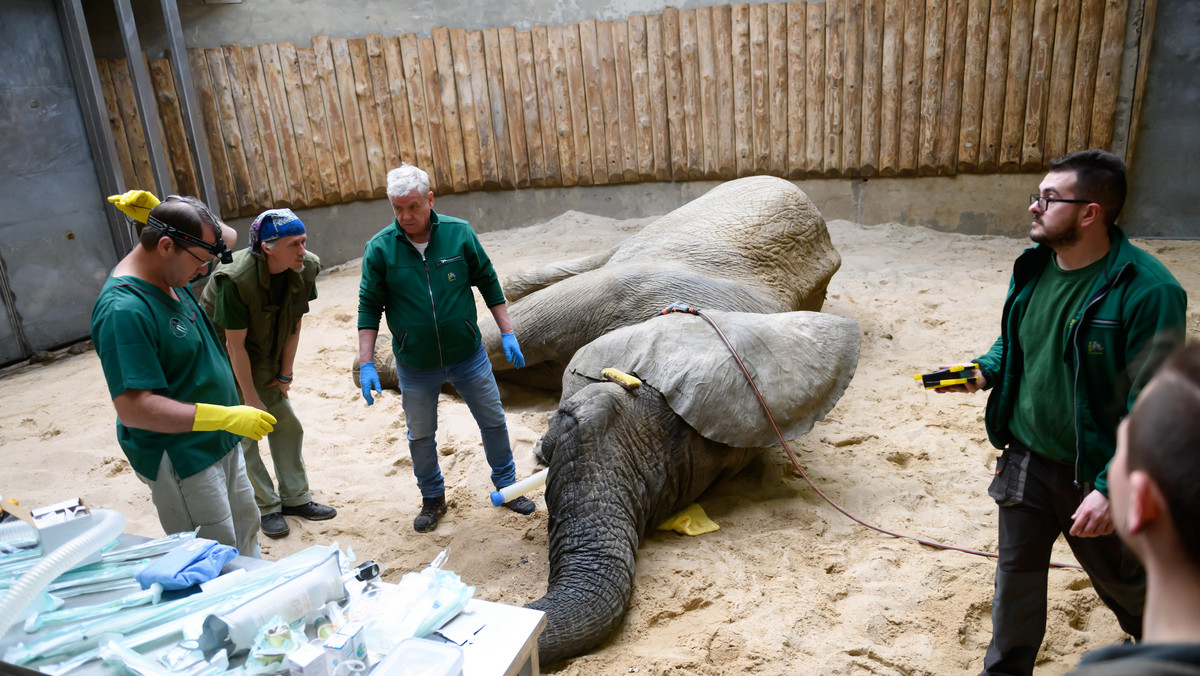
(216, 248)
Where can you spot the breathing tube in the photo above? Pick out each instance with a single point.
(107, 526)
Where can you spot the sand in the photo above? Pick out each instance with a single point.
(786, 586)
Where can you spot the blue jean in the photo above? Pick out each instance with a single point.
(475, 383)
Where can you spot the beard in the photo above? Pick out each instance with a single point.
(1062, 236)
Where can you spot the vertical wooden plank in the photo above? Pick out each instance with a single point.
(594, 100)
(456, 118)
(872, 95)
(285, 136)
(252, 143)
(891, 80)
(835, 82)
(673, 72)
(1036, 102)
(368, 114)
(607, 61)
(113, 110)
(931, 84)
(494, 74)
(708, 89)
(277, 178)
(391, 78)
(743, 97)
(797, 21)
(1083, 87)
(231, 133)
(656, 64)
(131, 118)
(448, 175)
(1108, 75)
(1062, 75)
(689, 67)
(564, 119)
(639, 76)
(352, 121)
(852, 92)
(950, 112)
(760, 108)
(474, 108)
(543, 78)
(329, 187)
(814, 112)
(910, 101)
(335, 123)
(297, 121)
(226, 200)
(777, 85)
(378, 49)
(722, 28)
(418, 105)
(588, 157)
(1017, 90)
(515, 105)
(183, 174)
(974, 79)
(624, 68)
(994, 91)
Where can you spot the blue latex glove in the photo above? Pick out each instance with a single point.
(512, 350)
(369, 379)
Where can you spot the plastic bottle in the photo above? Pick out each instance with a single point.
(536, 480)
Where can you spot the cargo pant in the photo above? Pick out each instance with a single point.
(1037, 498)
(286, 442)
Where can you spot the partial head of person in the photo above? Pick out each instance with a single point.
(1154, 474)
(278, 236)
(412, 200)
(187, 236)
(1082, 195)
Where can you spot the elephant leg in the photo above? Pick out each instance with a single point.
(620, 463)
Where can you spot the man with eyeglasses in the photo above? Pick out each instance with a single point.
(1088, 319)
(259, 300)
(179, 421)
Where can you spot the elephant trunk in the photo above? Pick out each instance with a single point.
(620, 463)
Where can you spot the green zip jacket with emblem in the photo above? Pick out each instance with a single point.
(1132, 319)
(427, 300)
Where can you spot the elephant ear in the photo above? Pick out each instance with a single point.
(801, 362)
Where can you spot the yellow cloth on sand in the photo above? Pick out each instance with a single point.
(690, 521)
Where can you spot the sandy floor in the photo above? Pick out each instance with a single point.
(787, 586)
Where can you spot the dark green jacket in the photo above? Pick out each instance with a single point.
(268, 325)
(1132, 319)
(428, 302)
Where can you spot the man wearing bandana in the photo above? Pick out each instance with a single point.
(259, 300)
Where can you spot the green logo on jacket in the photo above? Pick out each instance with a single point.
(450, 276)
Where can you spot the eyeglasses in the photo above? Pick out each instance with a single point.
(205, 261)
(1043, 202)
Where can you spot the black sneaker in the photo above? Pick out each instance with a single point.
(311, 511)
(521, 505)
(431, 511)
(274, 525)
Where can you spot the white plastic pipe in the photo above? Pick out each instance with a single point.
(106, 527)
(514, 491)
(16, 530)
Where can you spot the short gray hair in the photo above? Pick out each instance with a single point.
(406, 178)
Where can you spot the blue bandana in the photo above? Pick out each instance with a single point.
(271, 225)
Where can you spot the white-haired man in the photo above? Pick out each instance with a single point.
(418, 272)
(259, 300)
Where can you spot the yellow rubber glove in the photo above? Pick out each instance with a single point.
(244, 420)
(135, 204)
(690, 521)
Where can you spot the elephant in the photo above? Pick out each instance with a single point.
(755, 244)
(622, 461)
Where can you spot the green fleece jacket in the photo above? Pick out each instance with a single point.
(427, 300)
(1132, 319)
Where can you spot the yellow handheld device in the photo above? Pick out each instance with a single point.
(955, 375)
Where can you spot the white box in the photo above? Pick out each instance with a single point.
(62, 522)
(309, 660)
(347, 644)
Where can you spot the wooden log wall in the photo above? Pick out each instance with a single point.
(792, 89)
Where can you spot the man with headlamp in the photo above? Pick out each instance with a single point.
(259, 299)
(179, 421)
